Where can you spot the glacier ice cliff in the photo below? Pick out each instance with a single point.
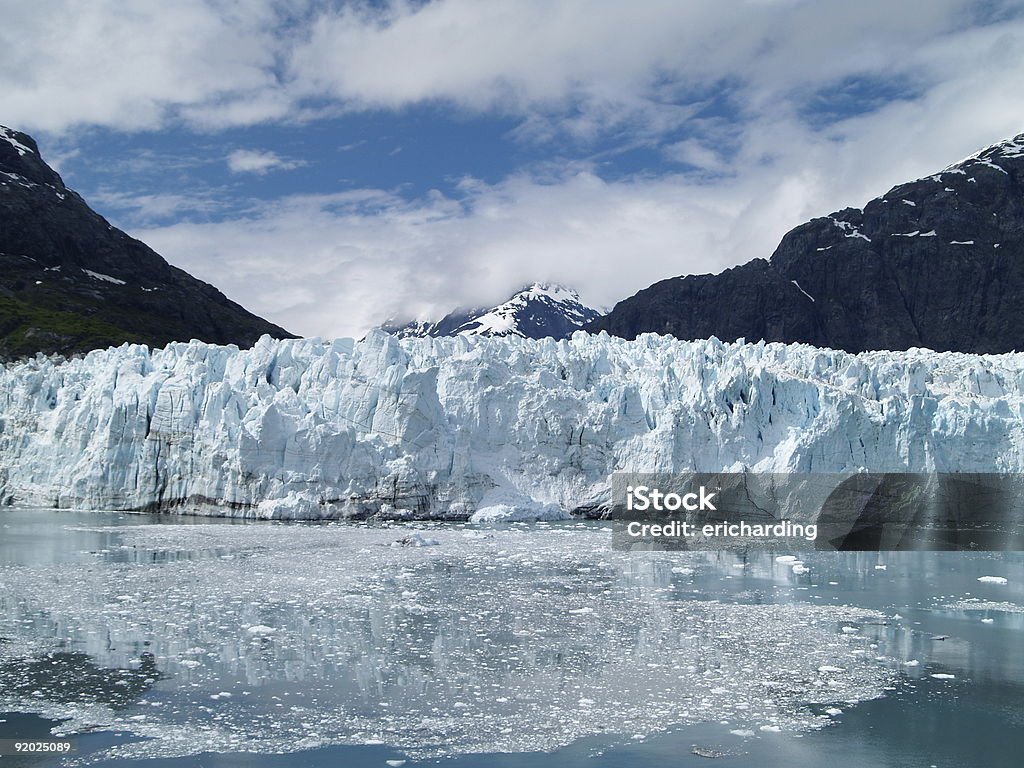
(445, 427)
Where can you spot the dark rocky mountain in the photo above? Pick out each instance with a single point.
(537, 311)
(936, 263)
(71, 282)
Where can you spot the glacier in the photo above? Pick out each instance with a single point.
(507, 428)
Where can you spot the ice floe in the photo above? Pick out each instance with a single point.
(517, 639)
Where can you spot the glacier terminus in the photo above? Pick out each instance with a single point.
(490, 428)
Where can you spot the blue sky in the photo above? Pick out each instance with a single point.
(331, 164)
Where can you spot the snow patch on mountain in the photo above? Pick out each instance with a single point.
(104, 278)
(447, 427)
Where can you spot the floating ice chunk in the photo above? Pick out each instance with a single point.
(847, 630)
(880, 567)
(827, 669)
(992, 579)
(395, 763)
(800, 569)
(770, 728)
(987, 620)
(744, 733)
(416, 540)
(977, 604)
(786, 559)
(833, 711)
(943, 676)
(706, 752)
(506, 505)
(260, 630)
(911, 663)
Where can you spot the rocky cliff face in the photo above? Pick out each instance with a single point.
(451, 426)
(936, 263)
(70, 282)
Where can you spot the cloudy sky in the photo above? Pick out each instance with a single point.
(333, 164)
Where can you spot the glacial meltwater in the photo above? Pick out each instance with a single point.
(164, 641)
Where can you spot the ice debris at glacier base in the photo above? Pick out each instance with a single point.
(504, 640)
(423, 428)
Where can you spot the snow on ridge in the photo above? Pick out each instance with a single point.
(500, 321)
(435, 426)
(1009, 148)
(6, 134)
(849, 229)
(553, 291)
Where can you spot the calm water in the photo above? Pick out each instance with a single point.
(173, 642)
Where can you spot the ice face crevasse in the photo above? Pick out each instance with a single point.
(439, 427)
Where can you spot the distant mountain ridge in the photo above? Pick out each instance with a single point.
(537, 311)
(71, 282)
(937, 263)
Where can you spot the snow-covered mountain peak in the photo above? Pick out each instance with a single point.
(553, 291)
(539, 310)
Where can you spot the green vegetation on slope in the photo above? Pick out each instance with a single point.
(24, 329)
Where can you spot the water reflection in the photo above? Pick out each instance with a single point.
(274, 637)
(69, 677)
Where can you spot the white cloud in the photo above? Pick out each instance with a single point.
(65, 64)
(148, 208)
(695, 153)
(580, 68)
(338, 264)
(585, 67)
(259, 162)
